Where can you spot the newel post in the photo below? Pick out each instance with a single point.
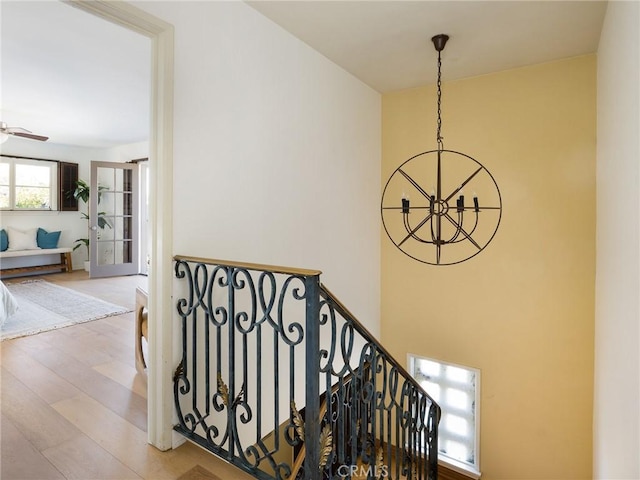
(312, 379)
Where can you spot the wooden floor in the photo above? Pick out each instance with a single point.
(74, 407)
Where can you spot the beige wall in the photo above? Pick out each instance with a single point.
(522, 311)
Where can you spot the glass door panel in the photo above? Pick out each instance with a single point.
(114, 219)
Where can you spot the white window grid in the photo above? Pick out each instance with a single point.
(9, 188)
(456, 389)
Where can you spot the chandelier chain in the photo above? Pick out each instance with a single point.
(439, 134)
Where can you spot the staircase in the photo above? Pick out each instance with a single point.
(278, 378)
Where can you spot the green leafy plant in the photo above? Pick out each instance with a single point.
(83, 193)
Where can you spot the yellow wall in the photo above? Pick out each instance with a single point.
(522, 311)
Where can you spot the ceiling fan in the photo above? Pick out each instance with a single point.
(5, 131)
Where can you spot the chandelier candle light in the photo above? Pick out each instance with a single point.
(430, 229)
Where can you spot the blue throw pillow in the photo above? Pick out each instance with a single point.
(4, 240)
(47, 239)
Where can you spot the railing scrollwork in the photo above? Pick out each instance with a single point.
(278, 378)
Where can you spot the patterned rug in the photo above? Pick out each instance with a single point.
(44, 306)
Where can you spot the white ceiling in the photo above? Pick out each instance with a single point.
(83, 81)
(387, 44)
(73, 77)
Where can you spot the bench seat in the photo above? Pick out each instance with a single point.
(64, 265)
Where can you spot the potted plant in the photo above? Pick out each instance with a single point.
(83, 192)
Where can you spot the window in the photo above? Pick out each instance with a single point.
(456, 389)
(28, 184)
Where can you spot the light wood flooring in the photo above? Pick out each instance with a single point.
(74, 407)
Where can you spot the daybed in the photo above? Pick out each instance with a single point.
(8, 304)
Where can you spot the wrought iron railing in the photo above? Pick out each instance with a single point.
(278, 378)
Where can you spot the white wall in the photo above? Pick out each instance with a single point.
(70, 224)
(276, 151)
(617, 358)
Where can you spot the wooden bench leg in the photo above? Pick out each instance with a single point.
(66, 260)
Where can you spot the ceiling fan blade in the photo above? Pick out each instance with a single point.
(21, 132)
(16, 130)
(30, 135)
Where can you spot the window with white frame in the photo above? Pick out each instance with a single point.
(456, 389)
(28, 184)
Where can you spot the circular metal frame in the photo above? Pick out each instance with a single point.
(438, 209)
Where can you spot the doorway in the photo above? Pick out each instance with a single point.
(160, 404)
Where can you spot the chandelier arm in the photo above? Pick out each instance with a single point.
(411, 231)
(463, 184)
(407, 227)
(472, 230)
(433, 235)
(458, 228)
(467, 236)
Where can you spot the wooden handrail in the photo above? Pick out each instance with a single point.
(249, 266)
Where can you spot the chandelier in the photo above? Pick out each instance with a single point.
(425, 204)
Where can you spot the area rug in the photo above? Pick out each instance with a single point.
(44, 306)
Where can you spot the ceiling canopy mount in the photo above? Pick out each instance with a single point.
(439, 41)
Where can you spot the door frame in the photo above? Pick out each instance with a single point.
(161, 34)
(145, 250)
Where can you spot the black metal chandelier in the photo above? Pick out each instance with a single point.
(417, 208)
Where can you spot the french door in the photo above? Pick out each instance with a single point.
(113, 217)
